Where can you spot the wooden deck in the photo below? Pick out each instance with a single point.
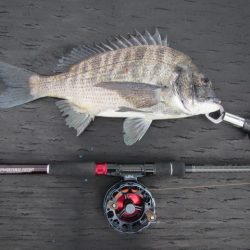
(49, 212)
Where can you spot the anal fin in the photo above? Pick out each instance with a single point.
(134, 129)
(76, 118)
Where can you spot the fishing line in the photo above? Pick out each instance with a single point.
(202, 186)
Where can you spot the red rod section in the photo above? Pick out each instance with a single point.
(101, 169)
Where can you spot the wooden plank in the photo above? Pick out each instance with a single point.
(215, 34)
(50, 212)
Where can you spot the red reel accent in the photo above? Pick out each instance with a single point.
(128, 205)
(129, 198)
(101, 169)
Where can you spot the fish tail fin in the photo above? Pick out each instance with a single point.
(16, 83)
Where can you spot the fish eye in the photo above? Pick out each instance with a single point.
(205, 80)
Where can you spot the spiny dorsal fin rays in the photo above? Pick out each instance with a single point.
(113, 44)
(89, 49)
(134, 40)
(126, 41)
(165, 41)
(119, 42)
(149, 38)
(107, 46)
(141, 38)
(157, 37)
(100, 48)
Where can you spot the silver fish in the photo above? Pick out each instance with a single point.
(138, 77)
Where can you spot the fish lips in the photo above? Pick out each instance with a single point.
(214, 100)
(206, 93)
(209, 100)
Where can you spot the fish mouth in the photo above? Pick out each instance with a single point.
(214, 100)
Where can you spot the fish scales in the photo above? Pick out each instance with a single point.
(134, 64)
(114, 65)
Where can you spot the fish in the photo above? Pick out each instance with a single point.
(138, 77)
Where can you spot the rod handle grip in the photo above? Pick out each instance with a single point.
(84, 170)
(170, 169)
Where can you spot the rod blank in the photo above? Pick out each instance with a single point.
(24, 169)
(89, 169)
(216, 169)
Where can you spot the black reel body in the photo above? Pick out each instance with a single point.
(129, 207)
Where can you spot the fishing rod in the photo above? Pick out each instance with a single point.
(128, 205)
(178, 169)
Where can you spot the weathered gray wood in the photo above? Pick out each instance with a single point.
(216, 34)
(64, 213)
(48, 212)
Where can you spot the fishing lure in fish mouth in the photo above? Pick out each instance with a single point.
(138, 77)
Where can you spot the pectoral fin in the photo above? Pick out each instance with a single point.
(76, 117)
(126, 109)
(140, 95)
(134, 129)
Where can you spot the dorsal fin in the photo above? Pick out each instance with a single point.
(119, 42)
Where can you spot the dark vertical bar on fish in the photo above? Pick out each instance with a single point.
(6, 169)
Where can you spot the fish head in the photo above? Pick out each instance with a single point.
(196, 91)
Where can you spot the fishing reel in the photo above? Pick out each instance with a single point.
(128, 205)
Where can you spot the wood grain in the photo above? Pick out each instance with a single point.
(56, 212)
(216, 34)
(64, 213)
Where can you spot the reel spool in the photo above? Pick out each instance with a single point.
(129, 207)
